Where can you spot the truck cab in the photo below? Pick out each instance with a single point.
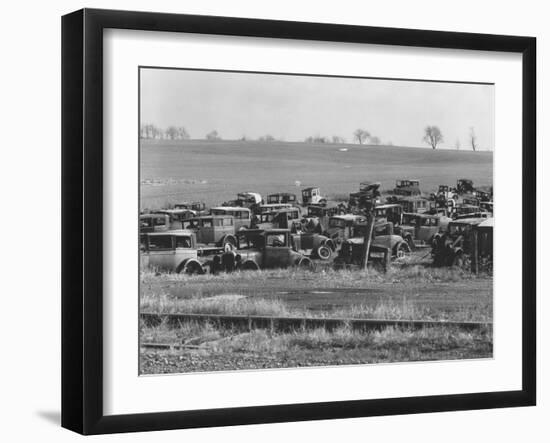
(312, 196)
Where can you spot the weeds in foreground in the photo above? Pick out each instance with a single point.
(324, 277)
(262, 341)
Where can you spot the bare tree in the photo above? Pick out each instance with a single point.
(361, 135)
(171, 133)
(432, 136)
(266, 138)
(317, 139)
(182, 134)
(148, 130)
(374, 140)
(213, 135)
(473, 139)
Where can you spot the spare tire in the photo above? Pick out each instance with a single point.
(324, 252)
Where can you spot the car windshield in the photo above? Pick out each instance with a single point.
(157, 242)
(183, 242)
(459, 229)
(266, 218)
(314, 212)
(337, 223)
(146, 222)
(428, 221)
(275, 240)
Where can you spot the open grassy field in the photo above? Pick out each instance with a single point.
(213, 172)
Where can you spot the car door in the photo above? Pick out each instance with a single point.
(277, 251)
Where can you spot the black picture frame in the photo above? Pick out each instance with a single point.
(82, 219)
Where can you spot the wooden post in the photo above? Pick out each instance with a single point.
(367, 238)
(475, 251)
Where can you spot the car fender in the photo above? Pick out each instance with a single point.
(187, 262)
(250, 265)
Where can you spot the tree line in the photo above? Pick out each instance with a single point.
(152, 132)
(432, 136)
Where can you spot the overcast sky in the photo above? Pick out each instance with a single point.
(295, 107)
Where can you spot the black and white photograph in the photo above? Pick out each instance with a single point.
(297, 220)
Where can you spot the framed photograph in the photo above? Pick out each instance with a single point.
(269, 221)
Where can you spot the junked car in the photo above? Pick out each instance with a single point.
(177, 251)
(242, 216)
(312, 196)
(269, 249)
(407, 187)
(219, 230)
(281, 197)
(288, 218)
(421, 229)
(345, 226)
(317, 217)
(454, 247)
(384, 246)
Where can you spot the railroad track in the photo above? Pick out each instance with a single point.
(285, 324)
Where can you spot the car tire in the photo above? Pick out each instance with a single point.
(193, 268)
(402, 250)
(324, 252)
(305, 264)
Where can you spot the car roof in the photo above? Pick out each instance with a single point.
(177, 232)
(410, 198)
(487, 223)
(151, 214)
(173, 211)
(469, 221)
(387, 205)
(423, 215)
(211, 216)
(347, 216)
(231, 208)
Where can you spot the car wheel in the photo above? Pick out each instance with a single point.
(324, 252)
(249, 266)
(305, 264)
(193, 268)
(402, 250)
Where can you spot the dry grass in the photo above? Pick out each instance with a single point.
(260, 341)
(223, 306)
(323, 278)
